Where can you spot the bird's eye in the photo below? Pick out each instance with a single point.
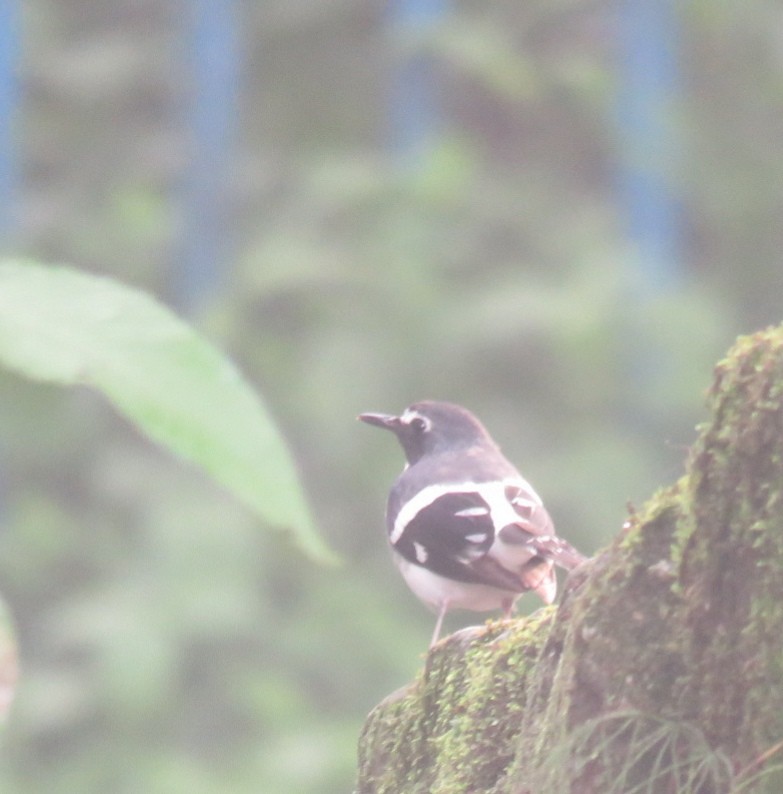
(420, 425)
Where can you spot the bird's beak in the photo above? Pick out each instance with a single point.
(387, 421)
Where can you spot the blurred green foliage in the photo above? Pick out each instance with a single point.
(63, 326)
(167, 644)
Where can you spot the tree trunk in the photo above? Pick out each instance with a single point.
(661, 670)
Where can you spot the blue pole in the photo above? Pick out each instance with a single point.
(9, 95)
(205, 249)
(414, 106)
(646, 117)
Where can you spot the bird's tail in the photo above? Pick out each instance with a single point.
(546, 545)
(560, 551)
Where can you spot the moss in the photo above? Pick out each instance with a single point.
(454, 730)
(485, 719)
(677, 623)
(732, 562)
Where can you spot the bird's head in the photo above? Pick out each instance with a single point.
(430, 427)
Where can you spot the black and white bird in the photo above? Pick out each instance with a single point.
(467, 531)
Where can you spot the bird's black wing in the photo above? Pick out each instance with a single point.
(451, 536)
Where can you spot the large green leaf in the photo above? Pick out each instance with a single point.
(58, 324)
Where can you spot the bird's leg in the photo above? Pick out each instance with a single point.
(508, 608)
(439, 622)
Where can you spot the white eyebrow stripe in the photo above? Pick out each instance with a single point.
(408, 416)
(493, 493)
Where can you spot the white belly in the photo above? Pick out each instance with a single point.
(435, 590)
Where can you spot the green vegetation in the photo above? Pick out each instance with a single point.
(167, 642)
(62, 326)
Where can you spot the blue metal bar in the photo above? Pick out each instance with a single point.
(414, 106)
(9, 96)
(214, 72)
(646, 116)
